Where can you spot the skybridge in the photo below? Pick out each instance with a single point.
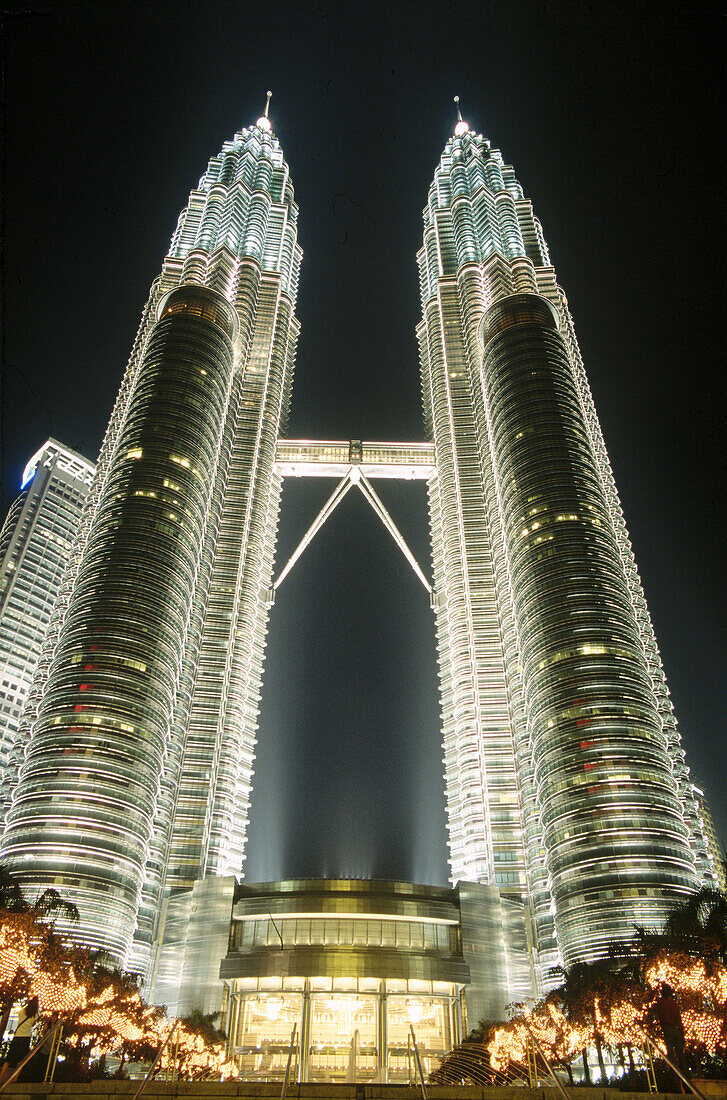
(334, 458)
(354, 463)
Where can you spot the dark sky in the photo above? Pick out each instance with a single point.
(612, 116)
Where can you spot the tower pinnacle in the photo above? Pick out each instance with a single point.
(264, 122)
(461, 127)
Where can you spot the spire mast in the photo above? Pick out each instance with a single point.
(263, 123)
(461, 127)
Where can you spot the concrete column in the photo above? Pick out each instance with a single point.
(233, 1017)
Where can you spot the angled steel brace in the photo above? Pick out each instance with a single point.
(353, 477)
(328, 508)
(368, 492)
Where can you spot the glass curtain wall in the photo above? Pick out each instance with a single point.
(348, 1029)
(194, 719)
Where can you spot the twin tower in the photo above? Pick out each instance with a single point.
(566, 783)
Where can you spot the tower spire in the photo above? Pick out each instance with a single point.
(263, 123)
(461, 127)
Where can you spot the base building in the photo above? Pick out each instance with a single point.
(354, 964)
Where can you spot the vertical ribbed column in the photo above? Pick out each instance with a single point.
(615, 839)
(83, 810)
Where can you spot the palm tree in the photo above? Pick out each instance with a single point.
(698, 926)
(48, 904)
(583, 984)
(11, 896)
(203, 1023)
(481, 1030)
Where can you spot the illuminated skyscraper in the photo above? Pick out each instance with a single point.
(566, 784)
(157, 662)
(35, 544)
(565, 776)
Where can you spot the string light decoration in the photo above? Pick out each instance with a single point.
(102, 1011)
(616, 1011)
(701, 990)
(35, 961)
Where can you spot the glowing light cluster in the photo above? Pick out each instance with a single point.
(101, 1012)
(623, 1018)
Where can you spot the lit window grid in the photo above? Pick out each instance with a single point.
(89, 786)
(477, 740)
(60, 607)
(569, 588)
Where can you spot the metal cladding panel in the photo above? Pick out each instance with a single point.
(344, 962)
(484, 946)
(236, 239)
(35, 544)
(346, 896)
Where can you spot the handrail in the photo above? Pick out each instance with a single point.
(50, 1067)
(669, 1062)
(531, 1063)
(33, 1050)
(418, 1062)
(650, 1071)
(153, 1066)
(290, 1058)
(548, 1066)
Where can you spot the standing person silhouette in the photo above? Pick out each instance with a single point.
(667, 1012)
(20, 1042)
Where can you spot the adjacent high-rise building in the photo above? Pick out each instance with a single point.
(566, 784)
(35, 544)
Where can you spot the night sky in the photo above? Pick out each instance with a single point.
(612, 116)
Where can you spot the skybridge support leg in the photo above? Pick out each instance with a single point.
(369, 493)
(353, 477)
(327, 510)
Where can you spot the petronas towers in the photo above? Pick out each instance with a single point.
(566, 783)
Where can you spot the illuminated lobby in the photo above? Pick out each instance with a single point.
(353, 964)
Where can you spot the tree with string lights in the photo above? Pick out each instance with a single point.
(100, 1009)
(608, 1004)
